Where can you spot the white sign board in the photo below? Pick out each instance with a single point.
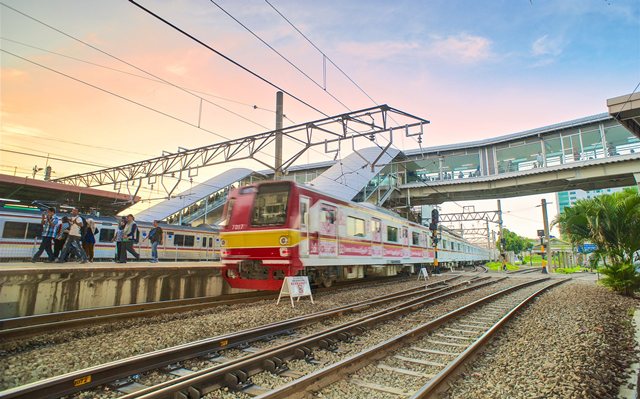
(423, 274)
(295, 287)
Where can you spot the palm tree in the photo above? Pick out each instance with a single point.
(611, 221)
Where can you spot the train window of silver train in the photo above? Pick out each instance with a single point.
(14, 230)
(178, 240)
(415, 238)
(34, 230)
(204, 242)
(210, 242)
(106, 235)
(392, 234)
(189, 241)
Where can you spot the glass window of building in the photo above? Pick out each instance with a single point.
(592, 144)
(553, 150)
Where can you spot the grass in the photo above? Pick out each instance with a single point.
(569, 270)
(537, 260)
(497, 266)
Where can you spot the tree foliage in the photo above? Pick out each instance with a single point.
(515, 243)
(612, 223)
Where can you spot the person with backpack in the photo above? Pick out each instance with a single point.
(62, 232)
(155, 238)
(89, 238)
(131, 236)
(73, 240)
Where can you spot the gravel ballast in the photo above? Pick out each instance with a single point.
(573, 342)
(47, 355)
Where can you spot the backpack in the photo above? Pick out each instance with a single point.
(83, 229)
(136, 235)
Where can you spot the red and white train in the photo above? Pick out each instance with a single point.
(278, 229)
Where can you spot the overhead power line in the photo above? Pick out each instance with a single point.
(281, 55)
(265, 80)
(131, 65)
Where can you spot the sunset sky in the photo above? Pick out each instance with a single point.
(475, 69)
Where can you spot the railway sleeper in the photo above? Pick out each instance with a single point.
(190, 393)
(275, 365)
(237, 380)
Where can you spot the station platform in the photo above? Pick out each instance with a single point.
(36, 288)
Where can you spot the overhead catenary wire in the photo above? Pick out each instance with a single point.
(152, 79)
(128, 63)
(288, 61)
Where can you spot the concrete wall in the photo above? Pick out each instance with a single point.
(26, 292)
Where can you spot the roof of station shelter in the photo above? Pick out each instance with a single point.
(512, 136)
(345, 179)
(27, 190)
(186, 198)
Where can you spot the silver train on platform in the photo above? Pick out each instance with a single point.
(20, 232)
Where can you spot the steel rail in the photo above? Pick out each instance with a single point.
(232, 373)
(20, 327)
(435, 383)
(324, 377)
(82, 379)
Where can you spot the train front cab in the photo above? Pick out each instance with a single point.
(259, 241)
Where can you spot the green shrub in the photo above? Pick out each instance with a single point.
(498, 266)
(621, 278)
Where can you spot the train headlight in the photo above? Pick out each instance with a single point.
(284, 240)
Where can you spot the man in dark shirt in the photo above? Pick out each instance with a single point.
(155, 238)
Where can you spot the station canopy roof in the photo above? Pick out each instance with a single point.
(347, 178)
(24, 191)
(186, 198)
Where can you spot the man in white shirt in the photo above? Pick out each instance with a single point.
(73, 240)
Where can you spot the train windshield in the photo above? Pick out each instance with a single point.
(270, 206)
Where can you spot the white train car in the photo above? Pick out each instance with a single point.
(20, 232)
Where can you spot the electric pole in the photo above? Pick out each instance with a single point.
(547, 240)
(279, 113)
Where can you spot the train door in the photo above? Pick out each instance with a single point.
(406, 251)
(328, 245)
(304, 227)
(376, 238)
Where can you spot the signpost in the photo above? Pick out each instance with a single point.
(423, 274)
(295, 287)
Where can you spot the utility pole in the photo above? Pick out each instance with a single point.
(503, 254)
(547, 240)
(488, 235)
(279, 114)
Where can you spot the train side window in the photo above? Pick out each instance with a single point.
(14, 230)
(189, 241)
(178, 240)
(304, 214)
(355, 227)
(106, 235)
(204, 242)
(415, 238)
(392, 234)
(34, 230)
(210, 242)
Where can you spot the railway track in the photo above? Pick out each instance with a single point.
(169, 359)
(415, 364)
(244, 375)
(21, 327)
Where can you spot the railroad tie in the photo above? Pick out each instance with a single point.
(405, 371)
(434, 352)
(419, 361)
(380, 388)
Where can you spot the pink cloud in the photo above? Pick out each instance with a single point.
(462, 48)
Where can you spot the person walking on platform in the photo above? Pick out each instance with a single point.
(89, 239)
(130, 235)
(62, 232)
(118, 238)
(49, 222)
(73, 241)
(155, 238)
